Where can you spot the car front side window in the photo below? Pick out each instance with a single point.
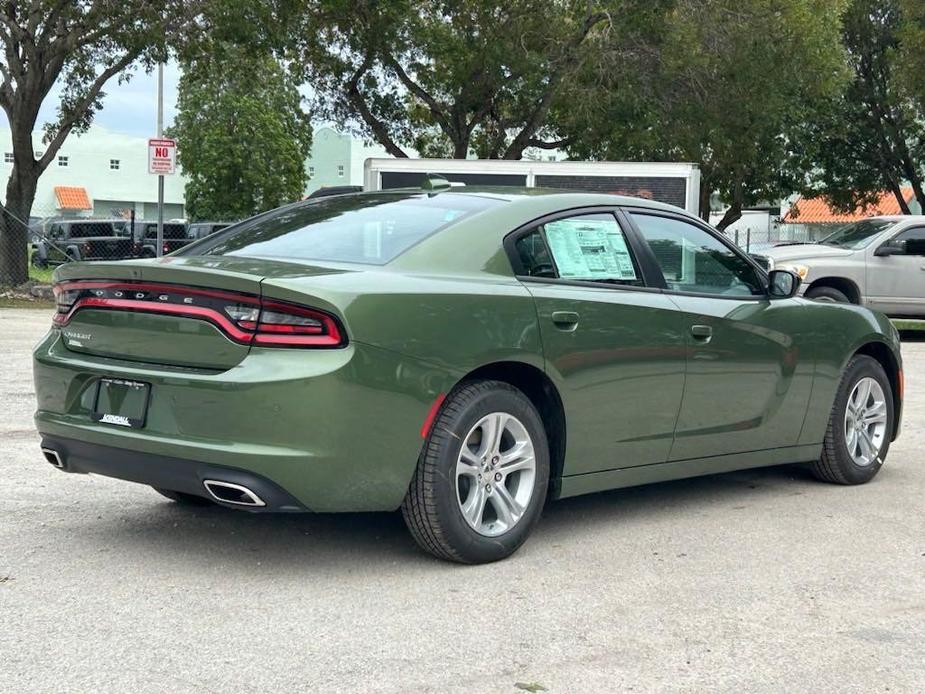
(693, 261)
(912, 241)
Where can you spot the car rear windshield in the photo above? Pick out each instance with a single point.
(858, 235)
(367, 228)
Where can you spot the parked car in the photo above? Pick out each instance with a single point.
(462, 355)
(175, 237)
(876, 262)
(199, 230)
(83, 239)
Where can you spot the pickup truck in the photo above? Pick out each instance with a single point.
(878, 262)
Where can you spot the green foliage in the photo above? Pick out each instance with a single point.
(725, 84)
(242, 134)
(871, 136)
(912, 52)
(445, 77)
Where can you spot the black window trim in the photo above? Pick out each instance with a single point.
(760, 272)
(635, 245)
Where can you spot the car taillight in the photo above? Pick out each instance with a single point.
(243, 318)
(64, 300)
(166, 248)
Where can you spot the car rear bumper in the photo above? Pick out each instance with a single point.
(338, 430)
(175, 474)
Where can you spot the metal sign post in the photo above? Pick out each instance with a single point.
(162, 160)
(160, 177)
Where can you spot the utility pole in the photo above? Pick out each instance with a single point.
(160, 177)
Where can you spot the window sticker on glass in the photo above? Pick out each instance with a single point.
(590, 249)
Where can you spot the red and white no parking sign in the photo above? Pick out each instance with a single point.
(162, 156)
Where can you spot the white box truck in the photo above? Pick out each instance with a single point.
(673, 183)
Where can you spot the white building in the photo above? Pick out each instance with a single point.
(337, 159)
(98, 174)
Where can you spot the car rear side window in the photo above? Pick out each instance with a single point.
(372, 228)
(692, 260)
(590, 248)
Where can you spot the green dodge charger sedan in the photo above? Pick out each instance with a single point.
(461, 354)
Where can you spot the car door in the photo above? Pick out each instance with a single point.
(749, 370)
(613, 346)
(896, 283)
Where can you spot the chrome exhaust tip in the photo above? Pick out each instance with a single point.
(229, 493)
(53, 457)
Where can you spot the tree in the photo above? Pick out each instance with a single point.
(871, 137)
(243, 137)
(724, 84)
(80, 45)
(445, 77)
(912, 53)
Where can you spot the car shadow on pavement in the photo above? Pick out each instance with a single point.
(215, 536)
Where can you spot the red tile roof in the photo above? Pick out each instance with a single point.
(72, 198)
(817, 210)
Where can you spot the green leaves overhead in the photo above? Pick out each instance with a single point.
(724, 84)
(445, 77)
(243, 136)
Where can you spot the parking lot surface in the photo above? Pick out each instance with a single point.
(759, 581)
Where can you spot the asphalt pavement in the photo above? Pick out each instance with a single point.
(758, 581)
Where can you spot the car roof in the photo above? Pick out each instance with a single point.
(564, 196)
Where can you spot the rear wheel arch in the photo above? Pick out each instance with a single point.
(544, 395)
(885, 357)
(847, 287)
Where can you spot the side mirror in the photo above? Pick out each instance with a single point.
(783, 284)
(891, 248)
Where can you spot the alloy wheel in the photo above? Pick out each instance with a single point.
(865, 421)
(495, 474)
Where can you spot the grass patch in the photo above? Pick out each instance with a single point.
(909, 324)
(40, 275)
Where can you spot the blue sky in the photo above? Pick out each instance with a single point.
(129, 108)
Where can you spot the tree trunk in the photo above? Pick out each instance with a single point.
(14, 227)
(898, 194)
(705, 193)
(734, 213)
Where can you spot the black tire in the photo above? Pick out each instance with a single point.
(431, 508)
(829, 294)
(836, 464)
(183, 498)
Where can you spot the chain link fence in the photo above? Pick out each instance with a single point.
(755, 240)
(30, 249)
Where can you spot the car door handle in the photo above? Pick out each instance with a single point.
(565, 320)
(702, 332)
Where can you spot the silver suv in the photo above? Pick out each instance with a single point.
(878, 262)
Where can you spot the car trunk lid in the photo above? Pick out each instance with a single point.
(191, 312)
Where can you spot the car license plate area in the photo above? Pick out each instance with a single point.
(121, 403)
